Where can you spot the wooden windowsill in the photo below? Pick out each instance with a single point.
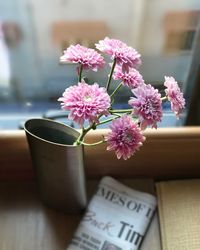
(26, 223)
(168, 153)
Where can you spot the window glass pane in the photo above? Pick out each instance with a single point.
(34, 33)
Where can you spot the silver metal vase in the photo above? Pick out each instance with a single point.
(58, 164)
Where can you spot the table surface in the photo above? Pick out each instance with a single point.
(27, 224)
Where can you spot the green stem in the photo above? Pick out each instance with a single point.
(164, 98)
(115, 91)
(110, 76)
(93, 144)
(82, 135)
(107, 120)
(120, 111)
(80, 73)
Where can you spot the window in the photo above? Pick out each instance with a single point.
(34, 33)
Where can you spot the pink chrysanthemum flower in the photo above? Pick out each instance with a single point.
(125, 137)
(125, 56)
(147, 105)
(174, 95)
(131, 79)
(88, 58)
(85, 102)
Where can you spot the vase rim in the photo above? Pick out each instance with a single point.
(50, 124)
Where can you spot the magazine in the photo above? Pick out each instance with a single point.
(116, 218)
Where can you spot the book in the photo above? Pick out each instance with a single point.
(117, 218)
(179, 213)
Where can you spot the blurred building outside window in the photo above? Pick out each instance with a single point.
(32, 40)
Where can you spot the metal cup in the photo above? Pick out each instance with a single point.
(59, 165)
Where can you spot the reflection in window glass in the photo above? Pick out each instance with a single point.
(34, 33)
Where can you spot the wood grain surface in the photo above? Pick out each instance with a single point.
(168, 153)
(26, 224)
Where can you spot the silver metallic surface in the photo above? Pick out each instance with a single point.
(59, 166)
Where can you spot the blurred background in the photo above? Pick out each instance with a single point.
(34, 33)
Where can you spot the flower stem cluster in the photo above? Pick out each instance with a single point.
(88, 103)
